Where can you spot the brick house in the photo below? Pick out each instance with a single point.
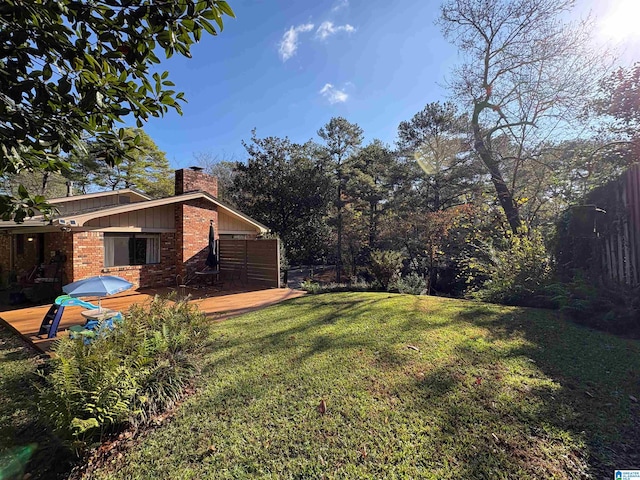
(150, 242)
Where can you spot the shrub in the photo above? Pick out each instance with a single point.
(310, 286)
(356, 286)
(139, 369)
(413, 284)
(385, 266)
(612, 309)
(518, 273)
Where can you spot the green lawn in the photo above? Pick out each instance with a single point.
(491, 392)
(25, 444)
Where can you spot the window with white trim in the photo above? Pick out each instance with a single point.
(123, 249)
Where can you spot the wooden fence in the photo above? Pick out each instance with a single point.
(603, 236)
(620, 236)
(251, 261)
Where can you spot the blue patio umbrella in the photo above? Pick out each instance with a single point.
(100, 286)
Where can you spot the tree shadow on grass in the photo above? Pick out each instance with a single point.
(567, 384)
(297, 333)
(25, 442)
(596, 374)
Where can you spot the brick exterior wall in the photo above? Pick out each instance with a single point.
(88, 254)
(188, 180)
(181, 253)
(60, 242)
(89, 261)
(155, 275)
(192, 235)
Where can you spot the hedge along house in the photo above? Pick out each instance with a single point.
(150, 242)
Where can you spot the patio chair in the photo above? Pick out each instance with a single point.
(235, 276)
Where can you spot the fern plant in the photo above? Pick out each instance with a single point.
(138, 370)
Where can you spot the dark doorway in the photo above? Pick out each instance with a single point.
(40, 240)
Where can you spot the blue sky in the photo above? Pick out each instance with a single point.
(287, 67)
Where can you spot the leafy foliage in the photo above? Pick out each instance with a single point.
(138, 370)
(283, 187)
(385, 266)
(332, 287)
(436, 139)
(413, 284)
(615, 310)
(620, 99)
(525, 73)
(370, 178)
(71, 68)
(47, 184)
(144, 166)
(27, 205)
(518, 272)
(342, 140)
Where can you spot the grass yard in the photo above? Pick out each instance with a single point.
(25, 444)
(414, 387)
(487, 392)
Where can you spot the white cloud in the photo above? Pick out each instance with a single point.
(326, 29)
(289, 42)
(333, 94)
(340, 4)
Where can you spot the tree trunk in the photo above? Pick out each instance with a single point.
(373, 226)
(432, 271)
(339, 246)
(45, 181)
(505, 197)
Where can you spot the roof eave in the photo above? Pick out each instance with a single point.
(81, 219)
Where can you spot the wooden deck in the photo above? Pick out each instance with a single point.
(218, 305)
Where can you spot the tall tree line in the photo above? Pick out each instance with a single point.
(143, 166)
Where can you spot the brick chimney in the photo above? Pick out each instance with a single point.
(192, 179)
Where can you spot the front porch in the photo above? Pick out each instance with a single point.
(217, 305)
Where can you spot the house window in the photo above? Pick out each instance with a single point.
(121, 249)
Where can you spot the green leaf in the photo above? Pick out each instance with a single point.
(188, 24)
(64, 86)
(81, 425)
(218, 20)
(164, 38)
(22, 192)
(208, 27)
(46, 72)
(224, 6)
(197, 33)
